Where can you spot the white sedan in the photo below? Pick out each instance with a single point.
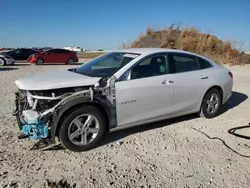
(6, 59)
(119, 89)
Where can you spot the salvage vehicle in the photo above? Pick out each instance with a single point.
(5, 59)
(120, 89)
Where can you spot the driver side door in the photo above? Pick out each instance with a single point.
(147, 95)
(19, 54)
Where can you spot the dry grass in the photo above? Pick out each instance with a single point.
(190, 39)
(89, 55)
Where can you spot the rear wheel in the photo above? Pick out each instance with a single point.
(70, 61)
(2, 61)
(211, 104)
(83, 129)
(39, 61)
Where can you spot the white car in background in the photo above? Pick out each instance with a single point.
(119, 89)
(6, 59)
(76, 49)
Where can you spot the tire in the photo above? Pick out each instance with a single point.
(39, 61)
(70, 61)
(68, 127)
(214, 109)
(2, 61)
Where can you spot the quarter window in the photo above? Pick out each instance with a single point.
(204, 64)
(152, 66)
(184, 63)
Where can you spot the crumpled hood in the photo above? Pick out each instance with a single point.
(55, 80)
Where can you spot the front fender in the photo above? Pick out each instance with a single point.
(58, 115)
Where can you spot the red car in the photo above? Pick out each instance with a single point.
(54, 56)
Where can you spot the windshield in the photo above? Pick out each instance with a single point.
(106, 65)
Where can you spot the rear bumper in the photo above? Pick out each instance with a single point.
(226, 98)
(227, 90)
(76, 60)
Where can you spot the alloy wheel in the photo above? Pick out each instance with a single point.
(83, 129)
(70, 61)
(212, 103)
(39, 62)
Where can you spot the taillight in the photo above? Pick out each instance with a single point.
(230, 74)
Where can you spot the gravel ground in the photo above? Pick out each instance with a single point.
(182, 152)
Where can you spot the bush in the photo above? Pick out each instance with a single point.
(190, 39)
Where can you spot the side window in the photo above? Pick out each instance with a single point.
(53, 51)
(21, 51)
(18, 51)
(152, 66)
(184, 63)
(62, 51)
(204, 64)
(31, 51)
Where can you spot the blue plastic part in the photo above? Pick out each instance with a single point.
(36, 129)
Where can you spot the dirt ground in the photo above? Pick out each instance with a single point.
(182, 152)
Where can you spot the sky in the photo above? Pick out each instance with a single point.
(107, 24)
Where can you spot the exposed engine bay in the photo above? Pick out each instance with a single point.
(35, 110)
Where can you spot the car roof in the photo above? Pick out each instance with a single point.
(146, 51)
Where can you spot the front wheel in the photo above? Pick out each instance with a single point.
(211, 104)
(83, 129)
(39, 61)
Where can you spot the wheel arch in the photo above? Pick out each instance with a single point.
(72, 105)
(219, 88)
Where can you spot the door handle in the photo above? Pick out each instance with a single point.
(167, 82)
(203, 77)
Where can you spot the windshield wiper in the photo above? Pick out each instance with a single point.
(84, 73)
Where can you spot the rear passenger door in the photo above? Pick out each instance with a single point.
(63, 55)
(190, 82)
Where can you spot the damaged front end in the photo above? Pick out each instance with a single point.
(38, 113)
(35, 109)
